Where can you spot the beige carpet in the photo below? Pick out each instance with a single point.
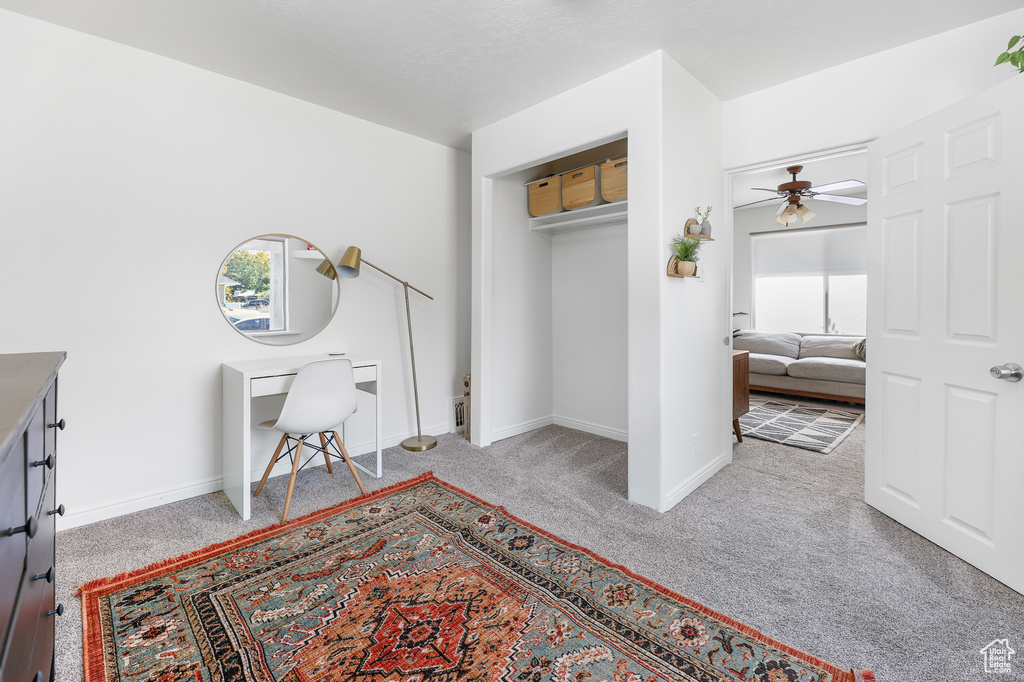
(780, 540)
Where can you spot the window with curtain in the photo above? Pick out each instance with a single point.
(812, 281)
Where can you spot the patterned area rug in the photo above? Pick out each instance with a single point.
(421, 582)
(812, 428)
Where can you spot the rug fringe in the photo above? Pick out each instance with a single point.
(863, 676)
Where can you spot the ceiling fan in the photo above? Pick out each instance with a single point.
(795, 190)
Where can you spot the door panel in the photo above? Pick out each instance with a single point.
(945, 302)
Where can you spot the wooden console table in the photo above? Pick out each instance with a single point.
(740, 388)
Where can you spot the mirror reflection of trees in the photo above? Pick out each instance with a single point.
(251, 269)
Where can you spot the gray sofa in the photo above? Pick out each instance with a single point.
(815, 365)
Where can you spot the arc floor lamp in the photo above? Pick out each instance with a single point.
(348, 266)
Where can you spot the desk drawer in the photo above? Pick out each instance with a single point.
(363, 374)
(271, 385)
(281, 384)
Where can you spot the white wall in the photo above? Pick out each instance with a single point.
(696, 386)
(674, 164)
(863, 99)
(111, 153)
(589, 307)
(521, 322)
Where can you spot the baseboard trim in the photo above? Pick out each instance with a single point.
(675, 495)
(596, 429)
(522, 428)
(102, 512)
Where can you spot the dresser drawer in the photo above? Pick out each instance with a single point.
(12, 547)
(18, 663)
(50, 432)
(40, 562)
(34, 462)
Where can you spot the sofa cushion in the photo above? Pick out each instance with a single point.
(828, 369)
(860, 349)
(775, 365)
(786, 344)
(828, 347)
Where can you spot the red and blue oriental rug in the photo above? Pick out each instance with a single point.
(421, 582)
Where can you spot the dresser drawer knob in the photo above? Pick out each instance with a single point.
(59, 425)
(48, 575)
(59, 611)
(59, 511)
(31, 527)
(48, 462)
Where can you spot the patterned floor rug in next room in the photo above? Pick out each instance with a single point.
(418, 582)
(819, 429)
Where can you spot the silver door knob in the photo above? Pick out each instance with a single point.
(1009, 371)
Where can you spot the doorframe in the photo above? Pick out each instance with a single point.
(773, 164)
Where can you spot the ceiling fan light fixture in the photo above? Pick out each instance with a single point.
(804, 213)
(789, 215)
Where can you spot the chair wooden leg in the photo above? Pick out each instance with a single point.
(327, 457)
(736, 428)
(291, 481)
(348, 461)
(273, 461)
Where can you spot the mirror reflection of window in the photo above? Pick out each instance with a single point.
(259, 302)
(269, 290)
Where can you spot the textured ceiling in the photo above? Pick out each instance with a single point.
(440, 69)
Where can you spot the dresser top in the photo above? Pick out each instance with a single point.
(24, 380)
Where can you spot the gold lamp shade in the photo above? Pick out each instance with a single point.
(348, 266)
(326, 268)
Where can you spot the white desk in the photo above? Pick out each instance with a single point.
(250, 379)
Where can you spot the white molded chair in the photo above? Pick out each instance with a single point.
(320, 399)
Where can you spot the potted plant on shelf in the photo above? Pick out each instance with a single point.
(687, 251)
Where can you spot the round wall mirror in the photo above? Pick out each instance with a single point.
(272, 289)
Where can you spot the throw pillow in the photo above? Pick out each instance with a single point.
(860, 349)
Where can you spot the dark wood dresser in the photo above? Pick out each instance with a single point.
(28, 511)
(740, 389)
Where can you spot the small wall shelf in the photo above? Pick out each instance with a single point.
(671, 267)
(582, 218)
(309, 254)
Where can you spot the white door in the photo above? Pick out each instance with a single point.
(945, 439)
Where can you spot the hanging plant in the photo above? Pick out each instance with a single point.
(1016, 58)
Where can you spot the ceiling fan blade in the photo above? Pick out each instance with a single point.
(765, 189)
(759, 201)
(836, 186)
(853, 201)
(781, 208)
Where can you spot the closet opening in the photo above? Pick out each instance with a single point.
(559, 306)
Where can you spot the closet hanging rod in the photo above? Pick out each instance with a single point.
(572, 170)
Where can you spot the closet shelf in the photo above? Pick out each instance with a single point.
(582, 218)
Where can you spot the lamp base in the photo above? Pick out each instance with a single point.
(419, 443)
